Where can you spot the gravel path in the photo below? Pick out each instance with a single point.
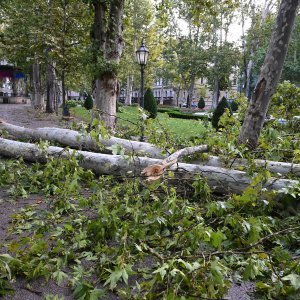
(24, 115)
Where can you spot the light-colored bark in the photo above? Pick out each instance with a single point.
(191, 90)
(105, 99)
(78, 140)
(255, 42)
(154, 172)
(273, 166)
(216, 94)
(108, 45)
(270, 74)
(219, 179)
(128, 99)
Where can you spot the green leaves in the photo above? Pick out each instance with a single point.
(84, 291)
(169, 239)
(294, 280)
(116, 275)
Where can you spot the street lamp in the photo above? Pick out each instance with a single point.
(142, 57)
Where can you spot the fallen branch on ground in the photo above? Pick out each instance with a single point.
(80, 141)
(219, 179)
(74, 139)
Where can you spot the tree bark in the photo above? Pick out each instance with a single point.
(37, 95)
(283, 168)
(216, 93)
(78, 140)
(219, 179)
(50, 103)
(108, 46)
(270, 74)
(128, 99)
(191, 90)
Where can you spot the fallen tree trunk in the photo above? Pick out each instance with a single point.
(77, 140)
(219, 179)
(273, 166)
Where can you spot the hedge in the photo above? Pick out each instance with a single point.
(167, 110)
(178, 115)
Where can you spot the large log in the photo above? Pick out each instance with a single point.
(282, 168)
(219, 179)
(77, 140)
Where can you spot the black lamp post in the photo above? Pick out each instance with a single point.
(142, 57)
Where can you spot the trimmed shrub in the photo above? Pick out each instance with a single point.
(178, 115)
(234, 106)
(201, 103)
(219, 111)
(88, 102)
(71, 103)
(150, 103)
(167, 110)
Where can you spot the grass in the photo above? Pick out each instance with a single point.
(128, 119)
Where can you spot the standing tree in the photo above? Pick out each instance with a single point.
(270, 74)
(107, 47)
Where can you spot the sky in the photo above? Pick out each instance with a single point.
(235, 29)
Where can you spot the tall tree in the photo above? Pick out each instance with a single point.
(270, 74)
(107, 47)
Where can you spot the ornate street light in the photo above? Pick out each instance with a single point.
(142, 57)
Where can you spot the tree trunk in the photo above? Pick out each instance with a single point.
(270, 74)
(128, 99)
(78, 140)
(50, 103)
(106, 99)
(108, 46)
(37, 96)
(216, 93)
(255, 44)
(191, 91)
(65, 109)
(219, 179)
(282, 168)
(248, 75)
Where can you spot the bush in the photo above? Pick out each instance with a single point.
(167, 110)
(88, 102)
(71, 103)
(150, 103)
(219, 111)
(234, 106)
(175, 114)
(286, 101)
(119, 106)
(201, 103)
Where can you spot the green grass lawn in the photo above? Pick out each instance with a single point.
(129, 117)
